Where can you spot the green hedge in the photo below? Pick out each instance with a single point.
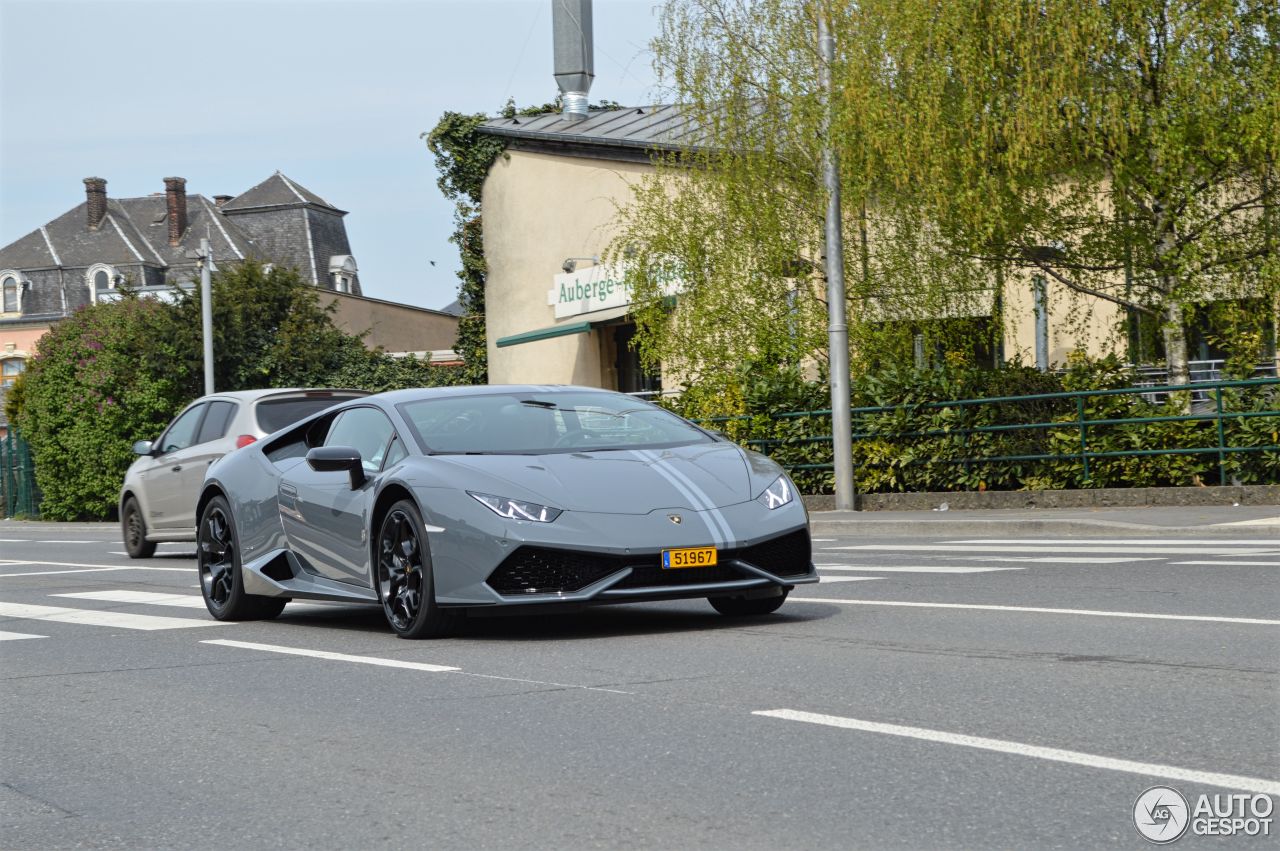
(920, 442)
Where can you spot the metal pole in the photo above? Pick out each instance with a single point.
(206, 313)
(837, 327)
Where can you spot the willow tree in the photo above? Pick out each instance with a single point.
(1126, 150)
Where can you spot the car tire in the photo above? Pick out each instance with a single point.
(218, 560)
(403, 576)
(741, 607)
(133, 530)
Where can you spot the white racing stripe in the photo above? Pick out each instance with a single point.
(1038, 610)
(1256, 785)
(897, 568)
(18, 636)
(99, 617)
(1048, 548)
(333, 657)
(699, 507)
(708, 504)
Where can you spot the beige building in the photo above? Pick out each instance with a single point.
(555, 315)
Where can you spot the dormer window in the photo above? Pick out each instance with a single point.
(10, 292)
(102, 280)
(342, 272)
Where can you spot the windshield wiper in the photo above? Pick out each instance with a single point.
(535, 403)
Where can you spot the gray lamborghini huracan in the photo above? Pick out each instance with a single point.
(437, 501)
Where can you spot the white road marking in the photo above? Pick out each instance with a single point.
(7, 562)
(67, 542)
(1038, 610)
(151, 598)
(829, 579)
(1064, 559)
(822, 540)
(934, 568)
(394, 663)
(1256, 785)
(333, 657)
(18, 636)
(1233, 563)
(123, 553)
(1130, 542)
(88, 570)
(1036, 548)
(100, 617)
(1261, 521)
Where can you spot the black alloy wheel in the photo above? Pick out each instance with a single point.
(218, 556)
(405, 583)
(134, 531)
(740, 607)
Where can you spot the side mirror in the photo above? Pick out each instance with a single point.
(332, 459)
(143, 447)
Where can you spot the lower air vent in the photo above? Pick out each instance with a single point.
(535, 570)
(786, 555)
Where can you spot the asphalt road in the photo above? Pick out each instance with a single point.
(1012, 693)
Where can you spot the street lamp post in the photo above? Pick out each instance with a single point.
(837, 314)
(205, 262)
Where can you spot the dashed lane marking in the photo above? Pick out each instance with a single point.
(1043, 611)
(1233, 563)
(1064, 559)
(1256, 785)
(931, 568)
(100, 617)
(826, 580)
(1131, 542)
(18, 636)
(151, 598)
(1060, 549)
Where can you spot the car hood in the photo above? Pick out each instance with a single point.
(613, 482)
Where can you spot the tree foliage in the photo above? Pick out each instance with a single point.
(114, 373)
(1125, 150)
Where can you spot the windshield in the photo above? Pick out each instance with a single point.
(540, 423)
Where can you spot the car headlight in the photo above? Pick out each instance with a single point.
(778, 494)
(514, 509)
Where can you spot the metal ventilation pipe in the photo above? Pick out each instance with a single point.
(574, 56)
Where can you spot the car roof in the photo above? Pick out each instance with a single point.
(395, 397)
(255, 395)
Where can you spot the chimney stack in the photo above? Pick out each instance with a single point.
(221, 200)
(574, 56)
(175, 197)
(95, 191)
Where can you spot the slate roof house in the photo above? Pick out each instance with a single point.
(89, 252)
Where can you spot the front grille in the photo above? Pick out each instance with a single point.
(786, 555)
(536, 570)
(652, 575)
(541, 570)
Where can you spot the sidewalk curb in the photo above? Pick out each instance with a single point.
(1009, 527)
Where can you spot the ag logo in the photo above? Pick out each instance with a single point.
(675, 518)
(1161, 815)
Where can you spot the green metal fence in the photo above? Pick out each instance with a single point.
(19, 496)
(1212, 405)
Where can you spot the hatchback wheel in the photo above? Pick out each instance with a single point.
(744, 607)
(134, 531)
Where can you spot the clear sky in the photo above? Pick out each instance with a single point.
(331, 92)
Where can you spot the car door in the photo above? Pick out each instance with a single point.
(325, 519)
(168, 508)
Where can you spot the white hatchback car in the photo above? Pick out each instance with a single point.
(158, 500)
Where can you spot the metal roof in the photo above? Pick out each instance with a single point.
(657, 128)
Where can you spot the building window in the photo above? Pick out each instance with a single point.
(102, 279)
(10, 369)
(11, 290)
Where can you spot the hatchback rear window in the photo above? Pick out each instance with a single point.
(275, 414)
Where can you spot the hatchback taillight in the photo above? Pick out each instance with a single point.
(245, 440)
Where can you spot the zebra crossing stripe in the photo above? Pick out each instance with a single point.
(99, 617)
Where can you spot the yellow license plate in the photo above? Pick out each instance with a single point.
(690, 557)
